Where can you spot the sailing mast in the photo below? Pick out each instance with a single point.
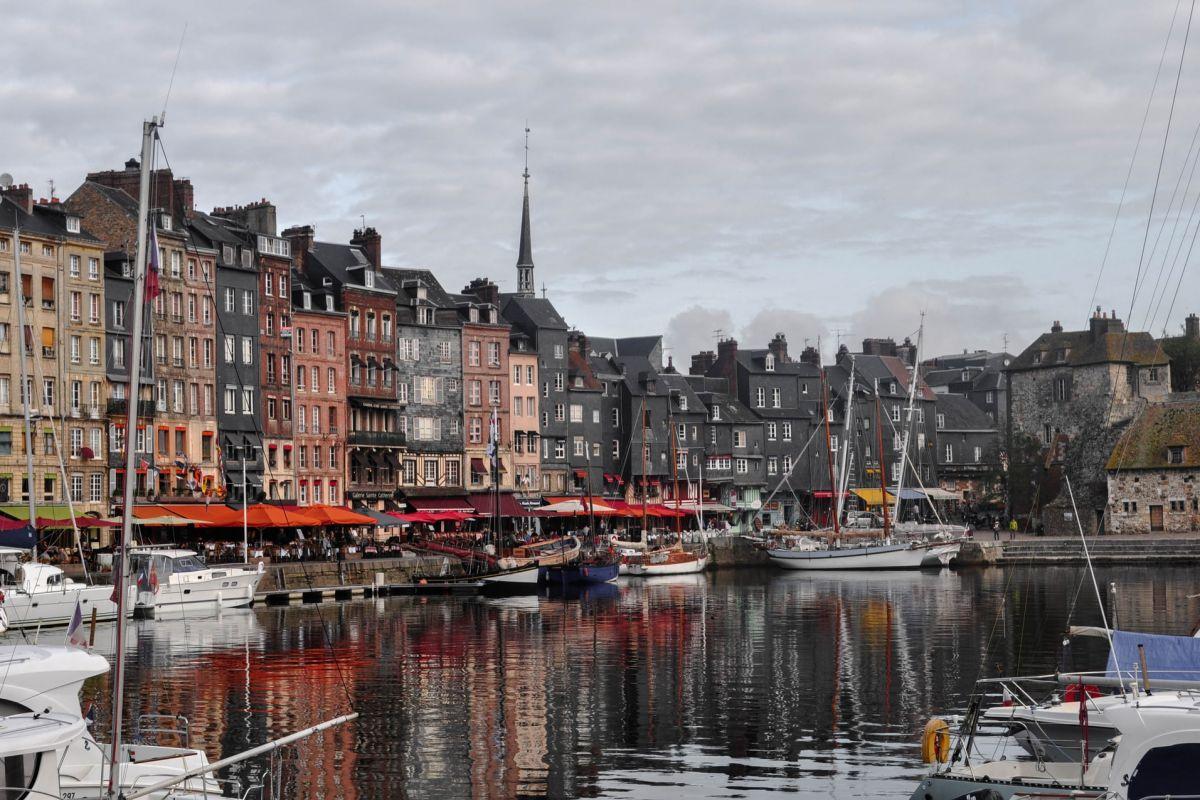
(829, 449)
(645, 476)
(843, 472)
(27, 387)
(883, 504)
(908, 424)
(674, 469)
(149, 131)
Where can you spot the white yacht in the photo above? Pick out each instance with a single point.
(180, 578)
(39, 595)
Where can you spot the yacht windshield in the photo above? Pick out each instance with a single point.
(187, 564)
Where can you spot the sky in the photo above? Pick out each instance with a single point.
(825, 170)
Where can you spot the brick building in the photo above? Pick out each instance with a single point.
(523, 361)
(319, 350)
(486, 384)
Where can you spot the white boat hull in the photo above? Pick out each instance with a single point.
(893, 556)
(57, 606)
(521, 579)
(680, 568)
(233, 588)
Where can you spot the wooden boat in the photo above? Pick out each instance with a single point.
(666, 562)
(546, 553)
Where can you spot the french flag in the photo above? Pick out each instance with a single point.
(153, 267)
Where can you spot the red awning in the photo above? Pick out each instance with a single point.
(509, 507)
(581, 473)
(826, 494)
(441, 505)
(477, 466)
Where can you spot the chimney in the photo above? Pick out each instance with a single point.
(778, 348)
(256, 217)
(670, 370)
(1101, 324)
(185, 198)
(1191, 326)
(301, 238)
(727, 349)
(1056, 327)
(371, 243)
(484, 290)
(702, 362)
(22, 195)
(879, 347)
(906, 352)
(810, 356)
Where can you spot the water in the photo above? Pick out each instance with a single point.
(735, 684)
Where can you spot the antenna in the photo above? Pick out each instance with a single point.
(526, 173)
(363, 217)
(543, 291)
(6, 180)
(51, 182)
(719, 334)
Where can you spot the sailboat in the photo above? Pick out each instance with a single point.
(595, 564)
(506, 576)
(882, 550)
(673, 560)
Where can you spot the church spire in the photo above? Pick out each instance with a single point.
(525, 285)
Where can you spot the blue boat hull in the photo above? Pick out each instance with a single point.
(582, 573)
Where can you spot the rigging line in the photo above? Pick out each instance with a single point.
(1151, 321)
(1161, 158)
(258, 428)
(1167, 215)
(162, 118)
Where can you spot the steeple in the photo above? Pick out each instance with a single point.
(525, 285)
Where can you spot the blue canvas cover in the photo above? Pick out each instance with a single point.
(17, 537)
(1172, 658)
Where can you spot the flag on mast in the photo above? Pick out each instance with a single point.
(153, 267)
(76, 635)
(493, 448)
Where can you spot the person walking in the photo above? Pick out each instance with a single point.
(996, 530)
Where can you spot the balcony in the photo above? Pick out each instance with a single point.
(333, 428)
(47, 305)
(177, 362)
(376, 438)
(116, 407)
(47, 352)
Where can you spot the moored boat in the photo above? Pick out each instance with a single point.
(666, 562)
(39, 595)
(178, 577)
(869, 556)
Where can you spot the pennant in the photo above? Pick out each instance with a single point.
(153, 267)
(115, 597)
(76, 635)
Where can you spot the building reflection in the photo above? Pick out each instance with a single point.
(784, 677)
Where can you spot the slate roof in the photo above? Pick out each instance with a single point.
(732, 411)
(535, 312)
(127, 203)
(960, 414)
(1085, 348)
(680, 384)
(345, 263)
(434, 291)
(943, 377)
(216, 230)
(1159, 426)
(44, 221)
(756, 359)
(642, 346)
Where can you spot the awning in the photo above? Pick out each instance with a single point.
(871, 496)
(332, 515)
(381, 519)
(477, 466)
(825, 494)
(441, 505)
(907, 494)
(581, 473)
(485, 505)
(941, 494)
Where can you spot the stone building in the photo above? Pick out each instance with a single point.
(1073, 391)
(1154, 469)
(319, 389)
(585, 460)
(375, 438)
(59, 258)
(486, 385)
(256, 223)
(241, 455)
(107, 201)
(967, 448)
(428, 370)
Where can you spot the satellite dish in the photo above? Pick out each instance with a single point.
(6, 180)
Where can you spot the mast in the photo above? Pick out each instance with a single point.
(912, 399)
(645, 470)
(495, 431)
(135, 369)
(829, 448)
(27, 387)
(587, 454)
(843, 472)
(674, 468)
(883, 505)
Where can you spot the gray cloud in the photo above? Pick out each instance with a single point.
(786, 155)
(695, 329)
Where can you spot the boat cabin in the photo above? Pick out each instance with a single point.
(165, 562)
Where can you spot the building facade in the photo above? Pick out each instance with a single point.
(486, 388)
(319, 351)
(1153, 471)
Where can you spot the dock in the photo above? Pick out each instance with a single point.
(321, 594)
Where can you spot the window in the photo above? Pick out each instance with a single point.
(247, 302)
(560, 412)
(760, 397)
(559, 381)
(494, 392)
(833, 443)
(473, 354)
(576, 412)
(772, 465)
(247, 401)
(941, 421)
(493, 354)
(577, 446)
(949, 453)
(560, 449)
(1047, 434)
(230, 400)
(94, 308)
(895, 413)
(1061, 389)
(742, 465)
(1175, 454)
(769, 362)
(93, 269)
(230, 300)
(978, 454)
(230, 348)
(558, 351)
(787, 431)
(739, 438)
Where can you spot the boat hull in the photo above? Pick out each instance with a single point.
(218, 588)
(893, 556)
(57, 607)
(950, 787)
(687, 567)
(521, 580)
(583, 573)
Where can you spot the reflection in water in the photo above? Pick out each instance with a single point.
(728, 685)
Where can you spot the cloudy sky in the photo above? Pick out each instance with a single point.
(821, 169)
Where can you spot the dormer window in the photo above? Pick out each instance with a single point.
(683, 402)
(716, 413)
(1037, 357)
(422, 293)
(247, 258)
(72, 224)
(227, 253)
(769, 363)
(164, 222)
(369, 279)
(329, 302)
(966, 376)
(941, 421)
(491, 316)
(1175, 454)
(473, 314)
(307, 301)
(424, 315)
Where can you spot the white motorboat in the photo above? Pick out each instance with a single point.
(180, 578)
(41, 595)
(511, 581)
(665, 562)
(31, 745)
(893, 555)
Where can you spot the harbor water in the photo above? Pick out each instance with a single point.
(743, 683)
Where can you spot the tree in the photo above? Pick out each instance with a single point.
(1184, 353)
